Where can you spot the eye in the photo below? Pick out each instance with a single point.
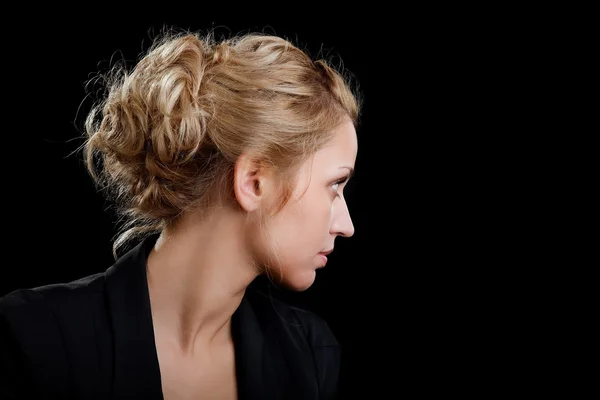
(338, 182)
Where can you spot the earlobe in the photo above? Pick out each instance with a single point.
(249, 182)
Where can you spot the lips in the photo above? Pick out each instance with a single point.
(325, 253)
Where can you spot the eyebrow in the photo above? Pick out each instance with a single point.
(351, 171)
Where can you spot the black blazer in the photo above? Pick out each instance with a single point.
(93, 339)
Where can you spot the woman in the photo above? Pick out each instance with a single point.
(229, 158)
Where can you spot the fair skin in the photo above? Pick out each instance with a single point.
(199, 271)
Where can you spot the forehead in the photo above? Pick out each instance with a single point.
(326, 163)
(342, 149)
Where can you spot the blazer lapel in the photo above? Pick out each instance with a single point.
(260, 367)
(136, 368)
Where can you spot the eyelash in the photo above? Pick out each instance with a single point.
(340, 181)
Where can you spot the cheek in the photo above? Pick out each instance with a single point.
(297, 235)
(305, 224)
(314, 214)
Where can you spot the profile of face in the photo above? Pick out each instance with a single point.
(315, 214)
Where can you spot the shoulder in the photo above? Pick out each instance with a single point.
(52, 297)
(39, 316)
(36, 325)
(303, 336)
(28, 313)
(315, 328)
(310, 325)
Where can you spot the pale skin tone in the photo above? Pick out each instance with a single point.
(198, 272)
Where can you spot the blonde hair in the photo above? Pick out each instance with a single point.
(165, 138)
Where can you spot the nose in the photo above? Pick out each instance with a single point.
(342, 222)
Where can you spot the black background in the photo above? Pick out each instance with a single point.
(62, 229)
(417, 297)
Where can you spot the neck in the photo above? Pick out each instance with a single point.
(197, 276)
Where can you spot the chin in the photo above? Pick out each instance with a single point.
(300, 282)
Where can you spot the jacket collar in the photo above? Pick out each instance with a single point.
(260, 366)
(136, 368)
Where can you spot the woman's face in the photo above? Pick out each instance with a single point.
(316, 213)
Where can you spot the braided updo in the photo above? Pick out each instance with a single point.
(165, 138)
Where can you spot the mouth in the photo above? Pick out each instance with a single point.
(323, 259)
(326, 253)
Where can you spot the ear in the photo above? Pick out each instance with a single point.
(251, 182)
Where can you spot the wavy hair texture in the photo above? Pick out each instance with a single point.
(166, 135)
